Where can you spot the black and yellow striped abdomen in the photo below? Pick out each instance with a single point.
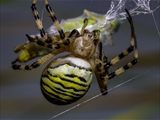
(65, 80)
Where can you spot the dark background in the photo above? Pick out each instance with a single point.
(21, 97)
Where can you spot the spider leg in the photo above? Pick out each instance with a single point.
(101, 66)
(54, 19)
(133, 45)
(73, 34)
(38, 21)
(55, 45)
(97, 64)
(37, 63)
(50, 39)
(27, 51)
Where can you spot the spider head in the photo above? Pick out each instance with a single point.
(94, 35)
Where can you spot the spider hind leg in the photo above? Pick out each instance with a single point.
(101, 65)
(133, 47)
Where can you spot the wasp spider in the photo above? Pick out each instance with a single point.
(67, 79)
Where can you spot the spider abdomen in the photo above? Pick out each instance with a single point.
(65, 80)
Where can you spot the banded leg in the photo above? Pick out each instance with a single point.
(39, 62)
(55, 45)
(126, 52)
(38, 21)
(133, 45)
(74, 33)
(98, 65)
(120, 56)
(54, 19)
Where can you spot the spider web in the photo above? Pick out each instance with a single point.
(135, 7)
(116, 12)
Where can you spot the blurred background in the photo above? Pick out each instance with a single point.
(21, 97)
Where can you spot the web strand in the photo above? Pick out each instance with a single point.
(98, 95)
(155, 24)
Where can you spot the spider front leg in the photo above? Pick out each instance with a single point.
(133, 46)
(46, 42)
(38, 21)
(54, 19)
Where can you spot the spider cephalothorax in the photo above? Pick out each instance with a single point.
(84, 46)
(67, 79)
